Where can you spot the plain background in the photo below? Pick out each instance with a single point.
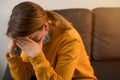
(7, 5)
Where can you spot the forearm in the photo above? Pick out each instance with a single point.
(44, 71)
(18, 68)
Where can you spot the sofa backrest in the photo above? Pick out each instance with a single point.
(106, 39)
(82, 21)
(99, 29)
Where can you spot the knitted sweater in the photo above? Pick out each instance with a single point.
(62, 58)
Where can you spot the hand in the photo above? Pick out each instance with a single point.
(31, 47)
(12, 48)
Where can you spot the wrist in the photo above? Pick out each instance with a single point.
(34, 55)
(12, 54)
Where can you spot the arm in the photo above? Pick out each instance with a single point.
(68, 57)
(69, 54)
(20, 67)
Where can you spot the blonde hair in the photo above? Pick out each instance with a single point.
(56, 20)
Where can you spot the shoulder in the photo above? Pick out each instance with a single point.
(71, 38)
(71, 34)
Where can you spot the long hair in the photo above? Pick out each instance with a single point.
(58, 21)
(28, 17)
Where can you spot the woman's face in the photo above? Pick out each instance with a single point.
(36, 36)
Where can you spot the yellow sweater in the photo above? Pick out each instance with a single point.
(63, 58)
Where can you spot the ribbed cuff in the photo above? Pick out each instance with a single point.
(13, 60)
(38, 59)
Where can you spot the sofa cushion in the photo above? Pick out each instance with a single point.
(106, 42)
(106, 70)
(81, 20)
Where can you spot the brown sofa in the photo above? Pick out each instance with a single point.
(100, 31)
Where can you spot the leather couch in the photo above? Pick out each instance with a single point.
(100, 31)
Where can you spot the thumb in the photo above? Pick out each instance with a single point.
(12, 44)
(41, 41)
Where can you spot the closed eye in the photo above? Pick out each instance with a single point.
(36, 39)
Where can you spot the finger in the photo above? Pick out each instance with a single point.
(12, 44)
(21, 38)
(23, 41)
(12, 47)
(19, 45)
(41, 40)
(28, 39)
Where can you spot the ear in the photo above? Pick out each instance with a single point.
(46, 25)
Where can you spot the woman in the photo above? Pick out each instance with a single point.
(51, 48)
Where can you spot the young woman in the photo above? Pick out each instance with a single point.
(51, 48)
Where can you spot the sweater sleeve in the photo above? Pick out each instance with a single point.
(69, 54)
(67, 60)
(20, 67)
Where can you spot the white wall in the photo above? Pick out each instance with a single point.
(7, 5)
